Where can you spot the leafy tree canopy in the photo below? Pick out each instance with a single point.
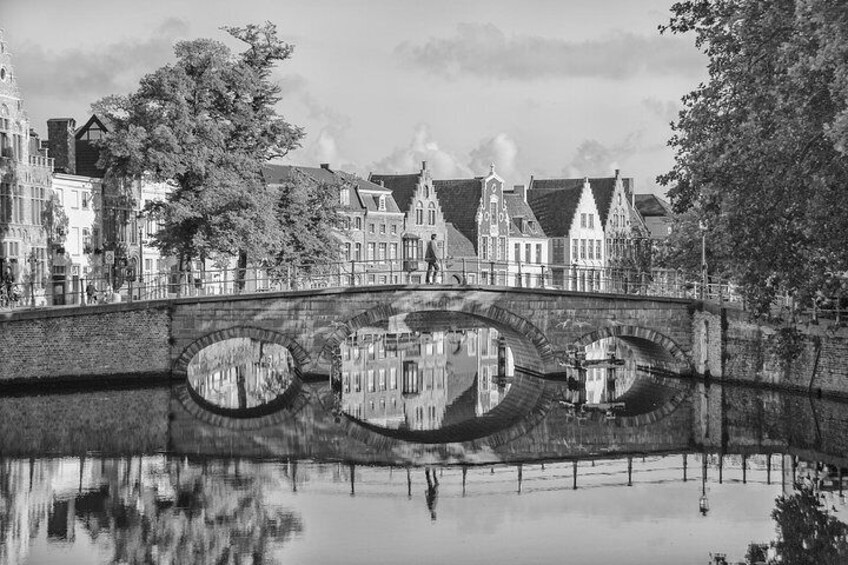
(761, 145)
(207, 123)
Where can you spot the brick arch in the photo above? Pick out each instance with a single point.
(300, 355)
(536, 342)
(639, 333)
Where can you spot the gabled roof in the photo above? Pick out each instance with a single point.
(370, 193)
(102, 123)
(517, 208)
(278, 174)
(555, 207)
(603, 189)
(652, 205)
(402, 187)
(458, 245)
(460, 200)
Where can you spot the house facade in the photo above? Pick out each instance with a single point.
(477, 210)
(25, 189)
(415, 195)
(569, 215)
(527, 243)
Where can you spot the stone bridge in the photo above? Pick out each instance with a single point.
(159, 337)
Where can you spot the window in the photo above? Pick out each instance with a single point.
(394, 229)
(358, 223)
(382, 204)
(591, 220)
(582, 220)
(358, 253)
(393, 378)
(485, 251)
(393, 251)
(539, 253)
(527, 256)
(382, 228)
(344, 197)
(347, 251)
(582, 248)
(518, 252)
(431, 215)
(75, 201)
(598, 249)
(371, 228)
(558, 251)
(493, 213)
(86, 240)
(85, 199)
(38, 205)
(382, 251)
(371, 251)
(573, 249)
(382, 379)
(591, 249)
(371, 386)
(419, 214)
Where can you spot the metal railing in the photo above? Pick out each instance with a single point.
(355, 273)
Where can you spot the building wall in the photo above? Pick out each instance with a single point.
(582, 246)
(25, 179)
(425, 199)
(493, 231)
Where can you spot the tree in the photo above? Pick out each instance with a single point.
(761, 146)
(207, 123)
(806, 533)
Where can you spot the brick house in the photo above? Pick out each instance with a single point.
(416, 197)
(477, 209)
(527, 243)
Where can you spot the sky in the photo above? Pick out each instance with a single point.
(547, 88)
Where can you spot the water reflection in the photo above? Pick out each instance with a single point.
(241, 373)
(163, 509)
(423, 380)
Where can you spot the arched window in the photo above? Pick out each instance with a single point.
(419, 214)
(431, 215)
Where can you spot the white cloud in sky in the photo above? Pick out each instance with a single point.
(500, 150)
(422, 147)
(485, 50)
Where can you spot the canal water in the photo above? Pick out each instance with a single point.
(424, 440)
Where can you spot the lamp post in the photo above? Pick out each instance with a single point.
(702, 224)
(140, 217)
(32, 262)
(703, 503)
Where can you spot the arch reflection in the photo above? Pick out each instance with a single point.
(242, 376)
(422, 380)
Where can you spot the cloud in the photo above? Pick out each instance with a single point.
(595, 159)
(422, 147)
(500, 150)
(666, 110)
(95, 72)
(486, 51)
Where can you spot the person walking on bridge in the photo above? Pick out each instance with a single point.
(432, 258)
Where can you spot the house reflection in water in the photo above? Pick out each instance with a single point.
(423, 380)
(241, 373)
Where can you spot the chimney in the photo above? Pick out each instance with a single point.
(423, 166)
(521, 191)
(325, 166)
(617, 173)
(61, 144)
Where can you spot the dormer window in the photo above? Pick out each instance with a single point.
(530, 226)
(382, 203)
(344, 197)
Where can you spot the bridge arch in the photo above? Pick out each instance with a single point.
(531, 348)
(638, 335)
(300, 355)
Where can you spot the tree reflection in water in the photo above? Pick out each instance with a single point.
(176, 513)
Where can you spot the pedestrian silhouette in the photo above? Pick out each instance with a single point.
(432, 258)
(432, 492)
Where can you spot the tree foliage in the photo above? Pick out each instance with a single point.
(761, 145)
(207, 123)
(806, 533)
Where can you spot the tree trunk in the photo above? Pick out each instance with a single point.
(241, 270)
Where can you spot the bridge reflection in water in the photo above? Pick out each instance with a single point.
(428, 437)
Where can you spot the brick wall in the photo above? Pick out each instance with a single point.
(755, 353)
(111, 340)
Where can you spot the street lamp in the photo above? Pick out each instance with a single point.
(140, 217)
(703, 503)
(702, 224)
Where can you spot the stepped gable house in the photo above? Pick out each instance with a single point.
(415, 196)
(477, 209)
(569, 216)
(25, 188)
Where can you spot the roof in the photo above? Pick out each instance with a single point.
(652, 205)
(458, 245)
(102, 123)
(402, 187)
(460, 200)
(603, 189)
(517, 208)
(278, 174)
(370, 193)
(555, 207)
